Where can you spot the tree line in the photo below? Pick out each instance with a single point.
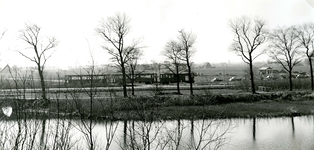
(286, 46)
(113, 30)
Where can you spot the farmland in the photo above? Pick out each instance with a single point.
(203, 77)
(225, 72)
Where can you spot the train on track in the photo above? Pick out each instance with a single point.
(116, 79)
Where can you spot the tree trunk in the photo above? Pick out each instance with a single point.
(290, 79)
(311, 72)
(178, 84)
(132, 80)
(252, 77)
(43, 86)
(132, 84)
(91, 99)
(190, 77)
(178, 79)
(125, 94)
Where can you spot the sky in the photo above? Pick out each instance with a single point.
(73, 23)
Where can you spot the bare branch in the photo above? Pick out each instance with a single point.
(33, 60)
(30, 35)
(249, 35)
(113, 31)
(286, 49)
(306, 38)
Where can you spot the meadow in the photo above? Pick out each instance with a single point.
(240, 70)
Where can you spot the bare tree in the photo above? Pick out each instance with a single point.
(172, 52)
(187, 41)
(306, 39)
(86, 111)
(42, 49)
(284, 49)
(114, 31)
(249, 35)
(132, 65)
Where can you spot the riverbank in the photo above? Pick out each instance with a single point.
(172, 107)
(241, 110)
(257, 109)
(233, 105)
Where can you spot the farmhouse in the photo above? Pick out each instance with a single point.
(265, 71)
(270, 73)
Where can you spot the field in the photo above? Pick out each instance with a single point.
(240, 70)
(205, 75)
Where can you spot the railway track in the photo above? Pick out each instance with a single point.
(104, 89)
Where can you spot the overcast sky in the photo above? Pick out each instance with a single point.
(73, 23)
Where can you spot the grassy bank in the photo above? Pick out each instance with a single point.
(233, 106)
(206, 105)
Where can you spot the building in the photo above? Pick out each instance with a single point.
(265, 71)
(270, 73)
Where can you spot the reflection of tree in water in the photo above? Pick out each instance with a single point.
(292, 125)
(254, 129)
(179, 134)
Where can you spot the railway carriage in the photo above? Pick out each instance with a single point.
(147, 78)
(98, 80)
(167, 78)
(116, 79)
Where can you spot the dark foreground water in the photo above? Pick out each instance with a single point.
(286, 133)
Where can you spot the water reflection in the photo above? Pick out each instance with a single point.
(125, 126)
(254, 129)
(272, 133)
(292, 125)
(245, 134)
(192, 133)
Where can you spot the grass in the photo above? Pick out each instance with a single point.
(235, 110)
(207, 105)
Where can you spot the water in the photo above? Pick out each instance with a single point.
(226, 134)
(273, 133)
